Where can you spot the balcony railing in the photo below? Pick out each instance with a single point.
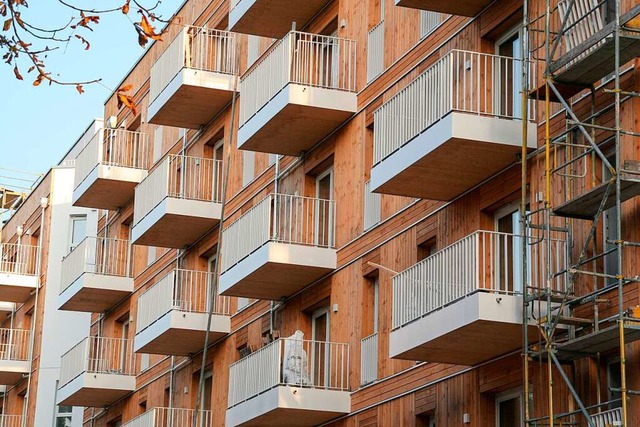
(10, 420)
(170, 417)
(113, 147)
(612, 417)
(14, 344)
(372, 206)
(97, 255)
(301, 58)
(289, 361)
(181, 177)
(18, 259)
(467, 82)
(196, 48)
(281, 218)
(97, 355)
(375, 51)
(369, 359)
(182, 290)
(484, 261)
(429, 21)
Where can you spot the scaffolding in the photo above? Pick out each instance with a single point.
(582, 311)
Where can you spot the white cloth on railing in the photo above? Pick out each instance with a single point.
(295, 363)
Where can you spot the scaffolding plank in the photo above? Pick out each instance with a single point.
(586, 205)
(600, 341)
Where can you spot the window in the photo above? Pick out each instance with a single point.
(427, 248)
(63, 416)
(509, 410)
(614, 376)
(507, 246)
(320, 324)
(324, 210)
(78, 230)
(509, 77)
(207, 391)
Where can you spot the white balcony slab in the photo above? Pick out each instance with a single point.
(180, 333)
(296, 119)
(95, 293)
(96, 390)
(452, 156)
(192, 98)
(276, 270)
(17, 287)
(283, 404)
(460, 7)
(107, 187)
(6, 308)
(12, 371)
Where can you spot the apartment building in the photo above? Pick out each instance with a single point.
(346, 213)
(33, 332)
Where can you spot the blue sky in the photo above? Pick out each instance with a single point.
(39, 124)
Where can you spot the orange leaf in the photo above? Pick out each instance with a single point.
(84, 41)
(125, 7)
(17, 73)
(145, 30)
(7, 25)
(79, 89)
(126, 88)
(128, 102)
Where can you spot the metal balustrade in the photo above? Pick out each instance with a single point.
(97, 355)
(181, 177)
(429, 21)
(290, 361)
(182, 290)
(11, 420)
(375, 51)
(282, 218)
(467, 82)
(372, 207)
(197, 48)
(113, 147)
(369, 359)
(485, 261)
(16, 258)
(14, 344)
(301, 58)
(97, 255)
(170, 417)
(610, 418)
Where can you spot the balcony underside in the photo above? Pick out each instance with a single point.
(462, 8)
(17, 287)
(296, 119)
(277, 270)
(450, 157)
(472, 330)
(272, 18)
(12, 371)
(107, 187)
(95, 293)
(176, 223)
(96, 390)
(192, 99)
(283, 404)
(179, 333)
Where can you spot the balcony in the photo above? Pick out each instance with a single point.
(463, 304)
(290, 379)
(297, 93)
(14, 355)
(271, 18)
(170, 417)
(182, 193)
(18, 276)
(457, 124)
(369, 359)
(462, 7)
(278, 247)
(109, 167)
(172, 314)
(97, 372)
(11, 420)
(6, 308)
(96, 275)
(193, 79)
(612, 417)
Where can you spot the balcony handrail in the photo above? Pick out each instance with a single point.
(282, 218)
(468, 82)
(97, 355)
(170, 417)
(14, 344)
(375, 51)
(18, 258)
(607, 418)
(369, 359)
(314, 60)
(182, 290)
(181, 177)
(7, 420)
(106, 256)
(198, 48)
(113, 147)
(484, 261)
(290, 361)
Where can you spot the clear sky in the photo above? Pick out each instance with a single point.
(39, 124)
